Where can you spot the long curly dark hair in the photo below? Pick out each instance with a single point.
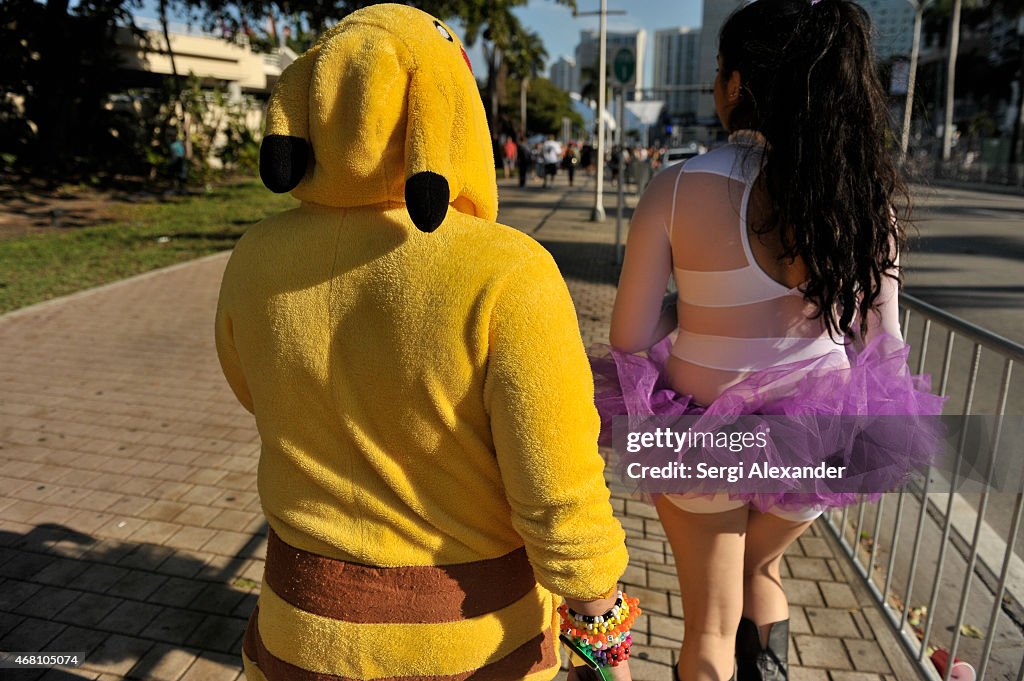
(809, 84)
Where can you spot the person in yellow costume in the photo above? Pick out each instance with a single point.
(429, 467)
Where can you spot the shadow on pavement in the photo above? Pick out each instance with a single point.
(996, 246)
(953, 297)
(585, 261)
(133, 608)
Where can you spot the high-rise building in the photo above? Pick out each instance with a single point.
(893, 24)
(587, 54)
(715, 14)
(676, 58)
(564, 74)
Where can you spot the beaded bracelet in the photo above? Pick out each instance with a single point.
(612, 612)
(606, 637)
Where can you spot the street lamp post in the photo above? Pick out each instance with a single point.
(598, 215)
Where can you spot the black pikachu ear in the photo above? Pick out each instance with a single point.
(426, 199)
(284, 160)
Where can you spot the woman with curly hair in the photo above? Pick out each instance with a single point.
(784, 245)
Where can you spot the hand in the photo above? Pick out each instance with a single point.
(597, 607)
(619, 673)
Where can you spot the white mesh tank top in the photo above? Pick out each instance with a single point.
(732, 315)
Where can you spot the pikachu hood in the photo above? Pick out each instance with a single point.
(383, 108)
(428, 466)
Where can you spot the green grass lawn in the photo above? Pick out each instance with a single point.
(141, 237)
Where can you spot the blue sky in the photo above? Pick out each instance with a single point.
(560, 31)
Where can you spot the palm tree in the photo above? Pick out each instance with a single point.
(525, 58)
(589, 81)
(1014, 10)
(494, 23)
(1010, 9)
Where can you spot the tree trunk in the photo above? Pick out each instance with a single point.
(954, 48)
(167, 37)
(56, 98)
(492, 55)
(1015, 136)
(499, 93)
(524, 86)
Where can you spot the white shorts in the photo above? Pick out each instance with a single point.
(719, 503)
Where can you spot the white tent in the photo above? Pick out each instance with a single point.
(646, 112)
(585, 108)
(639, 115)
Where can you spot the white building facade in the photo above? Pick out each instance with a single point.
(565, 75)
(893, 27)
(676, 62)
(714, 15)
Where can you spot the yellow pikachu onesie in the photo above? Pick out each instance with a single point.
(429, 468)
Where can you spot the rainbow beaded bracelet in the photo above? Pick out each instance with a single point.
(604, 637)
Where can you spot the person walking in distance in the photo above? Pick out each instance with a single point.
(551, 154)
(509, 155)
(524, 160)
(570, 160)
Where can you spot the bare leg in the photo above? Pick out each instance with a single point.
(768, 537)
(708, 550)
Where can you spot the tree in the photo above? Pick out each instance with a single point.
(490, 22)
(1014, 9)
(526, 58)
(546, 106)
(57, 63)
(937, 20)
(589, 81)
(493, 23)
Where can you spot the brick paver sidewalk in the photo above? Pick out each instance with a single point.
(129, 523)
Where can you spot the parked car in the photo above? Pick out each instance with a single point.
(680, 154)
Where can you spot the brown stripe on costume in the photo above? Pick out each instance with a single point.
(364, 594)
(533, 656)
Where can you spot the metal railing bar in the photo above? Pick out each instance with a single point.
(841, 523)
(875, 537)
(982, 506)
(925, 332)
(972, 560)
(946, 362)
(944, 542)
(892, 551)
(1001, 589)
(910, 644)
(989, 340)
(857, 532)
(1014, 524)
(916, 552)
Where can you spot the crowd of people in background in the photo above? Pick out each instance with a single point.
(540, 162)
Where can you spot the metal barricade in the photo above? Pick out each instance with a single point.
(931, 541)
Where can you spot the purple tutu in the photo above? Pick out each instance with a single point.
(875, 419)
